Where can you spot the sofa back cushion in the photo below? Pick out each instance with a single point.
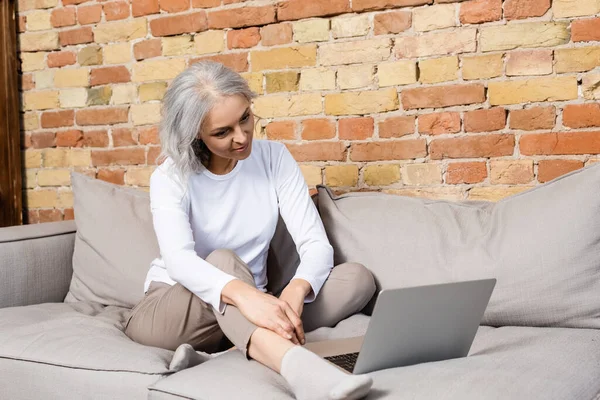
(542, 245)
(114, 244)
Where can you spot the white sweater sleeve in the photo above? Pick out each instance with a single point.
(170, 214)
(304, 224)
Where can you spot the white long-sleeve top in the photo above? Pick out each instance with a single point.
(236, 211)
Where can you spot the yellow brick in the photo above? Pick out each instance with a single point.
(124, 94)
(38, 41)
(350, 26)
(25, 5)
(41, 100)
(209, 42)
(579, 59)
(317, 79)
(286, 81)
(55, 157)
(288, 105)
(397, 73)
(341, 175)
(73, 98)
(117, 53)
(120, 31)
(143, 114)
(381, 175)
(30, 121)
(38, 21)
(519, 35)
(33, 158)
(157, 70)
(65, 199)
(152, 91)
(139, 176)
(533, 90)
(285, 57)
(591, 86)
(434, 17)
(433, 44)
(33, 61)
(491, 193)
(72, 77)
(80, 157)
(312, 174)
(511, 171)
(45, 198)
(361, 102)
(575, 8)
(364, 51)
(44, 79)
(54, 177)
(433, 193)
(90, 55)
(438, 69)
(421, 174)
(30, 178)
(355, 76)
(482, 67)
(178, 45)
(313, 30)
(255, 81)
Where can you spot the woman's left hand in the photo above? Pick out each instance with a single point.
(294, 294)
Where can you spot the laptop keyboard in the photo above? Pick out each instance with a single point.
(345, 361)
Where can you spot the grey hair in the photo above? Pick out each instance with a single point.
(187, 102)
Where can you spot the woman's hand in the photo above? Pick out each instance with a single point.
(294, 294)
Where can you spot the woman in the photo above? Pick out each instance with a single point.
(218, 189)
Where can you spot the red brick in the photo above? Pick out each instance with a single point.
(521, 9)
(116, 176)
(102, 116)
(33, 217)
(116, 10)
(241, 17)
(532, 119)
(129, 156)
(144, 7)
(560, 143)
(439, 123)
(52, 215)
(581, 115)
(362, 5)
(95, 138)
(175, 25)
(57, 119)
(173, 6)
(243, 38)
(236, 61)
(148, 135)
(89, 14)
(479, 11)
(104, 75)
(356, 128)
(76, 36)
(70, 138)
(281, 130)
(153, 154)
(392, 22)
(22, 24)
(315, 129)
(206, 3)
(147, 49)
(585, 30)
(318, 151)
(70, 2)
(389, 150)
(42, 140)
(550, 169)
(25, 140)
(298, 9)
(466, 172)
(68, 214)
(493, 119)
(472, 146)
(63, 17)
(276, 34)
(233, 1)
(123, 137)
(443, 96)
(26, 82)
(61, 58)
(396, 127)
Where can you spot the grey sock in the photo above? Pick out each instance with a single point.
(313, 378)
(186, 357)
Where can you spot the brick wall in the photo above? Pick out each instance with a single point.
(458, 100)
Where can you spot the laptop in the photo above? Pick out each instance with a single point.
(413, 325)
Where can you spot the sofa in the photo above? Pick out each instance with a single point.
(66, 289)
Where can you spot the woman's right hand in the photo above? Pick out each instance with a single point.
(264, 310)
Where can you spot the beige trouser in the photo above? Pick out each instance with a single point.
(169, 316)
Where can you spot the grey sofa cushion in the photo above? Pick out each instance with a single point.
(114, 244)
(542, 245)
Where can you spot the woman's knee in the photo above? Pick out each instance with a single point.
(227, 261)
(363, 281)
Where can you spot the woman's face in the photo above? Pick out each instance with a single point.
(228, 129)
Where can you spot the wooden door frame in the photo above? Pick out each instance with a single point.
(11, 202)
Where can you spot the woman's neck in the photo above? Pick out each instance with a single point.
(221, 166)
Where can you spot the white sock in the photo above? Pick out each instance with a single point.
(313, 378)
(186, 357)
